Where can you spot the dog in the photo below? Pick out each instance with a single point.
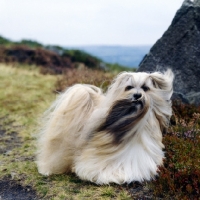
(112, 137)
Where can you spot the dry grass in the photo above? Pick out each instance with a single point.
(24, 96)
(84, 75)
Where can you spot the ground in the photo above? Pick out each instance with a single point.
(24, 95)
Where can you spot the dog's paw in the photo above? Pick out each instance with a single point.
(44, 171)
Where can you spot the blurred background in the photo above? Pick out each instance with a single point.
(113, 30)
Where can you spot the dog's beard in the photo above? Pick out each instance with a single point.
(122, 117)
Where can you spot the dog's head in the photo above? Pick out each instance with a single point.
(141, 85)
(132, 95)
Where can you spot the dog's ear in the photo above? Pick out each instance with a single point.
(163, 81)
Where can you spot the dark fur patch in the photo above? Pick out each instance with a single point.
(121, 118)
(119, 110)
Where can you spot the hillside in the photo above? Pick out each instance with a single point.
(52, 58)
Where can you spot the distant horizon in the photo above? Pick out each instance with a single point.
(129, 56)
(111, 45)
(77, 45)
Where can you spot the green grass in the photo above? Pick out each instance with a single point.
(24, 96)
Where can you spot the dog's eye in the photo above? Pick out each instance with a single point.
(145, 88)
(129, 87)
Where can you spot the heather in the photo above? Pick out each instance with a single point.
(180, 175)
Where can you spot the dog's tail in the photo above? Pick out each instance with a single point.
(71, 109)
(62, 125)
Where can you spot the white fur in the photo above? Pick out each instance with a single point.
(80, 133)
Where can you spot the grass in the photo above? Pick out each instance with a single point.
(24, 96)
(87, 76)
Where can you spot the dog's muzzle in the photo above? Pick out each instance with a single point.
(137, 97)
(138, 101)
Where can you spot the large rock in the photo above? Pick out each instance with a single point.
(179, 49)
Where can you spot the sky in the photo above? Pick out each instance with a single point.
(87, 22)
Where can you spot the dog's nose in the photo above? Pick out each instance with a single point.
(137, 96)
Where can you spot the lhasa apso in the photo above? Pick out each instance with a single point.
(112, 137)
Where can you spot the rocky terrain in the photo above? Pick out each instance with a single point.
(179, 49)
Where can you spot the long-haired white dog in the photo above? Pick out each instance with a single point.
(112, 137)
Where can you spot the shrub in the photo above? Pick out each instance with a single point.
(4, 41)
(180, 175)
(30, 43)
(85, 76)
(49, 61)
(83, 57)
